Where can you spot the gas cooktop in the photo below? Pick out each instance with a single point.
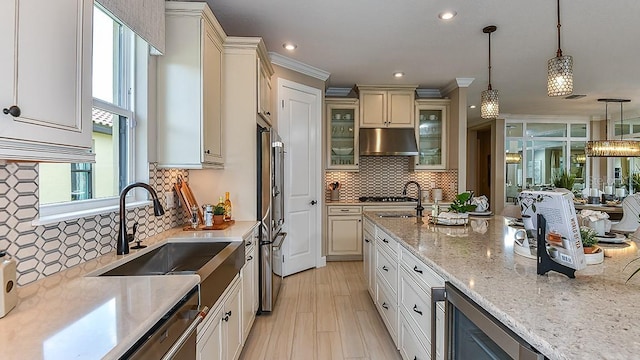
(386, 199)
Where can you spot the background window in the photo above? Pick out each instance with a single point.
(112, 123)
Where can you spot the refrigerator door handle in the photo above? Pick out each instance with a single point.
(265, 230)
(283, 235)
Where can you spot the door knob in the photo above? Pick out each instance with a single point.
(12, 110)
(313, 202)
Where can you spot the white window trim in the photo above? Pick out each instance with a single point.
(138, 154)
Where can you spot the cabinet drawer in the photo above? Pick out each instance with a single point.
(344, 210)
(410, 346)
(387, 270)
(369, 227)
(385, 241)
(388, 309)
(418, 268)
(415, 304)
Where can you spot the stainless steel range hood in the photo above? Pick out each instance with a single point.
(385, 141)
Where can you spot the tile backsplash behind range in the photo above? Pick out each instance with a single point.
(44, 250)
(386, 176)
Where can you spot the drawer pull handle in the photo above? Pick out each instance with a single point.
(385, 268)
(367, 240)
(250, 258)
(385, 241)
(248, 243)
(415, 358)
(344, 210)
(384, 305)
(415, 308)
(415, 268)
(226, 316)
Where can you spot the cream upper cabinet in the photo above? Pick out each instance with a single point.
(387, 106)
(265, 70)
(45, 95)
(431, 134)
(190, 89)
(342, 134)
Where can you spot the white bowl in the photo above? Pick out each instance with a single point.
(342, 151)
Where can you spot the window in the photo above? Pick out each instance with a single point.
(68, 188)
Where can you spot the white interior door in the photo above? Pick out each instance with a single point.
(299, 125)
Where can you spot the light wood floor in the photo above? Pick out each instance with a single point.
(324, 313)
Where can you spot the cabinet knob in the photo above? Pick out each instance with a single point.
(12, 110)
(313, 202)
(268, 113)
(207, 151)
(226, 316)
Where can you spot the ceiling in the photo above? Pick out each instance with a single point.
(365, 41)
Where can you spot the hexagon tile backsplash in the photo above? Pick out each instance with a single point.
(44, 250)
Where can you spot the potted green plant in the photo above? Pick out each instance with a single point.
(461, 203)
(589, 239)
(564, 180)
(218, 214)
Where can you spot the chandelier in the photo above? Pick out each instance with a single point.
(489, 104)
(613, 148)
(560, 70)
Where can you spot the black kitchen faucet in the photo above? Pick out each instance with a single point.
(419, 208)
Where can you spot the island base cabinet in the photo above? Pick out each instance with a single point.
(410, 347)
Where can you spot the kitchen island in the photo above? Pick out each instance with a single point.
(75, 314)
(593, 316)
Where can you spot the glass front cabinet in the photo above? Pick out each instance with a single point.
(342, 134)
(432, 118)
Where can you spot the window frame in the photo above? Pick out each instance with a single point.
(134, 54)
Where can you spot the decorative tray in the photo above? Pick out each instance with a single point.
(449, 221)
(222, 226)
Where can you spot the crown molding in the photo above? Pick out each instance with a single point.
(298, 66)
(458, 83)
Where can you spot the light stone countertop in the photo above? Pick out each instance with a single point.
(594, 316)
(74, 315)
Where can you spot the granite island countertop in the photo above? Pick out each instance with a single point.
(594, 316)
(74, 315)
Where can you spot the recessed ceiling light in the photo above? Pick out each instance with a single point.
(398, 74)
(447, 15)
(472, 106)
(289, 46)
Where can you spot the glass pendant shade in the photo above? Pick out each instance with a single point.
(560, 76)
(613, 148)
(489, 104)
(513, 158)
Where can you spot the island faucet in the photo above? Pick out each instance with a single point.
(419, 208)
(123, 238)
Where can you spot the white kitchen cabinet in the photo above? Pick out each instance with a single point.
(249, 286)
(342, 134)
(410, 347)
(190, 89)
(209, 345)
(232, 323)
(387, 106)
(344, 231)
(431, 134)
(369, 257)
(45, 95)
(265, 71)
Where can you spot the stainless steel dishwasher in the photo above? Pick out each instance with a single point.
(173, 336)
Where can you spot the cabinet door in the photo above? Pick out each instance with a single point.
(400, 113)
(248, 287)
(369, 262)
(232, 324)
(373, 108)
(46, 70)
(210, 345)
(345, 235)
(264, 92)
(431, 136)
(342, 136)
(211, 97)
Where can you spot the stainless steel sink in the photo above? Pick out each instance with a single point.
(217, 263)
(396, 215)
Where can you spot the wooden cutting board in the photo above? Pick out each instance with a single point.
(188, 200)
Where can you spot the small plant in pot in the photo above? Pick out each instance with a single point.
(461, 203)
(589, 239)
(564, 180)
(218, 214)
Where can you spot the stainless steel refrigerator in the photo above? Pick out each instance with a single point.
(270, 160)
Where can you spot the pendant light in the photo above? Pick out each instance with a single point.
(560, 70)
(489, 104)
(513, 158)
(613, 148)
